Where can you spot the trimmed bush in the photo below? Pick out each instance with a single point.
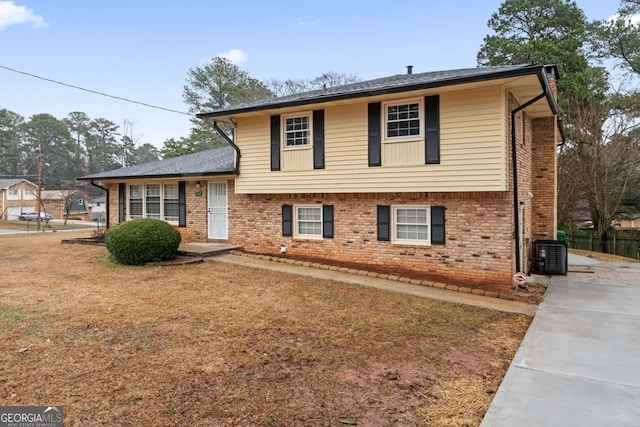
(142, 240)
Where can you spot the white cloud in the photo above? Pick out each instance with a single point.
(234, 55)
(632, 20)
(12, 14)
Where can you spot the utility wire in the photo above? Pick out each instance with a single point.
(95, 91)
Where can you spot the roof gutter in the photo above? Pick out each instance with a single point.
(106, 208)
(232, 144)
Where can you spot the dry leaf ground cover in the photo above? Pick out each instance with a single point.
(212, 344)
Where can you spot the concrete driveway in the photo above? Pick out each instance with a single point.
(578, 363)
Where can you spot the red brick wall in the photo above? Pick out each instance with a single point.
(478, 232)
(545, 179)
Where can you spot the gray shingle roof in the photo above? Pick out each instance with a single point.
(217, 161)
(392, 84)
(6, 183)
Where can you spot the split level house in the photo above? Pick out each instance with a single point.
(17, 196)
(451, 174)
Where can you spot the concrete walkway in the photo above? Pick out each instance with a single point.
(578, 363)
(384, 284)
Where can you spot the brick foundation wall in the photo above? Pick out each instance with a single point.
(478, 233)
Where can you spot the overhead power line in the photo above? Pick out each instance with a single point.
(95, 91)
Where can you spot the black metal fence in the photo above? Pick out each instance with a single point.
(624, 243)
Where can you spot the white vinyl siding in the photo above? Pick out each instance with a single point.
(473, 152)
(308, 221)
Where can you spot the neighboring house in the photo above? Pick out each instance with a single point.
(54, 201)
(17, 196)
(96, 207)
(628, 222)
(413, 172)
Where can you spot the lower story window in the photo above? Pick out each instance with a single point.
(158, 201)
(411, 224)
(308, 221)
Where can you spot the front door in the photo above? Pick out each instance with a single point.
(218, 210)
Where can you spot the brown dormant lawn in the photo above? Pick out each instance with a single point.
(213, 344)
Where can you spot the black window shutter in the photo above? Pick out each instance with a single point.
(287, 219)
(318, 139)
(327, 221)
(437, 225)
(275, 143)
(182, 204)
(432, 129)
(122, 200)
(375, 135)
(384, 214)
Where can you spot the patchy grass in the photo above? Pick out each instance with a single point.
(32, 226)
(215, 344)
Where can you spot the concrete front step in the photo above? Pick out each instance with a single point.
(205, 249)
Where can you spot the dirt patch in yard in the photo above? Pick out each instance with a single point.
(217, 344)
(534, 294)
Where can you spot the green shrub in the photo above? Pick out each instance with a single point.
(142, 240)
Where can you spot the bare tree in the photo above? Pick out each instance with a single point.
(323, 81)
(600, 163)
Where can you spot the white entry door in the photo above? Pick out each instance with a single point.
(218, 210)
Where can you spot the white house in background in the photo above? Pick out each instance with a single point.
(17, 196)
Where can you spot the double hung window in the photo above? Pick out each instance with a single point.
(297, 131)
(402, 121)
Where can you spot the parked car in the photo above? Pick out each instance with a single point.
(33, 216)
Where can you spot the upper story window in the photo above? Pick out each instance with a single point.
(13, 194)
(403, 121)
(297, 131)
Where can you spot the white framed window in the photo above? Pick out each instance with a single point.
(13, 194)
(411, 224)
(403, 120)
(135, 201)
(155, 200)
(296, 131)
(29, 193)
(308, 221)
(171, 202)
(152, 199)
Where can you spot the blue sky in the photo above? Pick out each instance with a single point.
(142, 49)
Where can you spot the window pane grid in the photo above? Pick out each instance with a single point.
(153, 201)
(412, 224)
(309, 221)
(403, 120)
(297, 131)
(135, 201)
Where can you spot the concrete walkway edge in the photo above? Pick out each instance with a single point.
(383, 284)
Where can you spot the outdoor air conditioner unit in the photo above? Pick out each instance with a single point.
(549, 257)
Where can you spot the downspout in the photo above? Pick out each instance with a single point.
(224, 136)
(106, 205)
(514, 161)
